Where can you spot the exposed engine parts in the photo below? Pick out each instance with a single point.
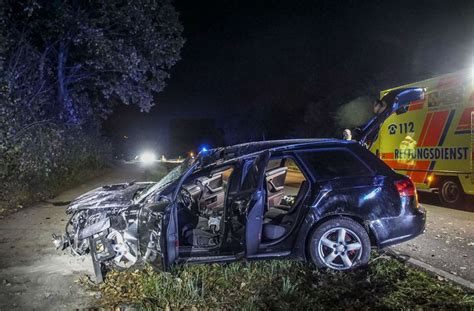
(101, 225)
(214, 223)
(119, 234)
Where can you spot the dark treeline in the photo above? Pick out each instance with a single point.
(65, 65)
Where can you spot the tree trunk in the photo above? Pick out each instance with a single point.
(68, 112)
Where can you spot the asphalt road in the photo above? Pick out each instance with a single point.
(448, 242)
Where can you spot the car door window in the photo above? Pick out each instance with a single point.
(275, 179)
(250, 181)
(334, 163)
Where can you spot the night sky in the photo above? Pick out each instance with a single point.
(245, 61)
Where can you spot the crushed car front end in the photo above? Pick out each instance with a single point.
(120, 225)
(104, 224)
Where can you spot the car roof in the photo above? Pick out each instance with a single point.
(250, 148)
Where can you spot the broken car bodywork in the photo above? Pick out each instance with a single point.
(125, 225)
(103, 223)
(227, 204)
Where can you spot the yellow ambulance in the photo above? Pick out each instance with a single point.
(432, 141)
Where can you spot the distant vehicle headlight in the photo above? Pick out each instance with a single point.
(147, 157)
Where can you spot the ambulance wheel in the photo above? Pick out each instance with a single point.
(451, 193)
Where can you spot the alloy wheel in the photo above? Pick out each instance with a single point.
(340, 248)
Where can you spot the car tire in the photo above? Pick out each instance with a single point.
(451, 193)
(339, 244)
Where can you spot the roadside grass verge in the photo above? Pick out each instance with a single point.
(25, 198)
(281, 285)
(42, 162)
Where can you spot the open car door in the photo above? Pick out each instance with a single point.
(169, 240)
(254, 184)
(395, 101)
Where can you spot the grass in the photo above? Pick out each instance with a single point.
(24, 198)
(281, 285)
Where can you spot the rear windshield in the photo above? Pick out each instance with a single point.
(334, 163)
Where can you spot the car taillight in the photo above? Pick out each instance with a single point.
(405, 188)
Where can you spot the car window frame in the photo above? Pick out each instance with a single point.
(299, 162)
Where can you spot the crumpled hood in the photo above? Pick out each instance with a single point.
(110, 196)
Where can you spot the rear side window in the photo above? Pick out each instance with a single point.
(329, 164)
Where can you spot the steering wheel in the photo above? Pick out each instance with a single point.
(187, 199)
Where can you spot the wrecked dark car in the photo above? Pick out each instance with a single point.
(326, 201)
(321, 200)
